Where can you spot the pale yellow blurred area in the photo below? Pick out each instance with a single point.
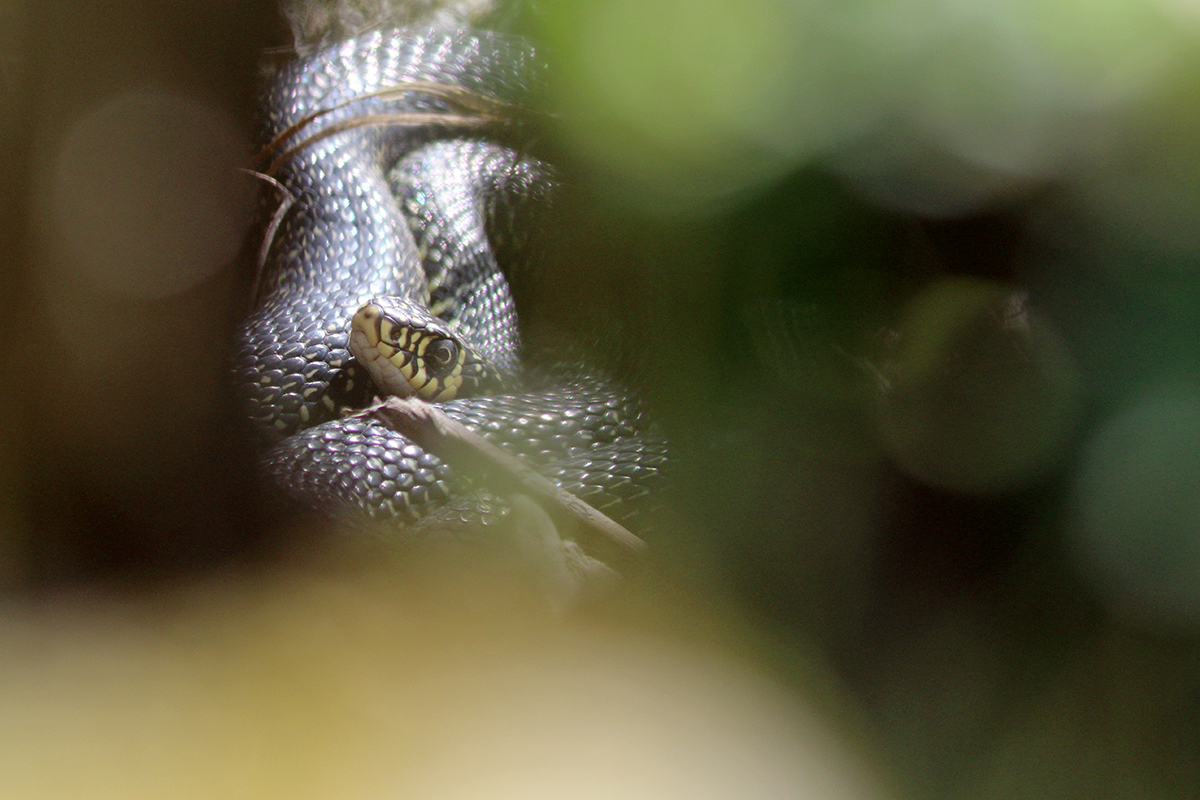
(400, 682)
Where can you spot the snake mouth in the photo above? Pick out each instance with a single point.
(367, 344)
(406, 351)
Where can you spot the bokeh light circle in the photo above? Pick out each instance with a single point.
(145, 199)
(983, 394)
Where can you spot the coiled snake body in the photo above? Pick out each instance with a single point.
(347, 238)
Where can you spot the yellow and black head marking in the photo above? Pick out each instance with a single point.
(409, 352)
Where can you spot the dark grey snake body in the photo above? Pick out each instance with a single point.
(345, 240)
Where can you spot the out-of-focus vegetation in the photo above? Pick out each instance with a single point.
(912, 287)
(967, 467)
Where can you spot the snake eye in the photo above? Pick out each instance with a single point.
(441, 355)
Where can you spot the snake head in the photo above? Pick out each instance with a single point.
(408, 351)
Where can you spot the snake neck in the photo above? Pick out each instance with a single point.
(464, 201)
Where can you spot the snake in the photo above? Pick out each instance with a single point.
(388, 242)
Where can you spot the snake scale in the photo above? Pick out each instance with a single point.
(411, 211)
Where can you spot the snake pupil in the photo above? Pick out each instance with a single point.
(441, 354)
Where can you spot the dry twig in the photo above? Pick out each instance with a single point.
(472, 455)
